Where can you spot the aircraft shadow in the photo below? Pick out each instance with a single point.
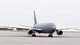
(39, 36)
(55, 37)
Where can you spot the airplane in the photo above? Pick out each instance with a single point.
(43, 28)
(49, 28)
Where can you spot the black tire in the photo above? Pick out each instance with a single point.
(50, 36)
(33, 35)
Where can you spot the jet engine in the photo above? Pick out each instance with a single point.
(30, 32)
(59, 32)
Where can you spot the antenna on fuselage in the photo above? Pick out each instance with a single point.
(35, 20)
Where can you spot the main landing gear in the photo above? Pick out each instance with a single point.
(50, 35)
(34, 35)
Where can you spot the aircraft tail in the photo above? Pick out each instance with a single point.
(35, 20)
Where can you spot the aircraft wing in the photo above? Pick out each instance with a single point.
(65, 28)
(15, 27)
(30, 27)
(69, 29)
(22, 28)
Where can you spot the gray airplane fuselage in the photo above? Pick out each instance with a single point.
(46, 27)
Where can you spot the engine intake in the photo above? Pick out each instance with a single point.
(59, 32)
(30, 32)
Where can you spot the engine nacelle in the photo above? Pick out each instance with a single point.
(30, 32)
(59, 32)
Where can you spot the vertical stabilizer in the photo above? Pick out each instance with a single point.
(35, 20)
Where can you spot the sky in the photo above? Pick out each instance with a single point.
(63, 13)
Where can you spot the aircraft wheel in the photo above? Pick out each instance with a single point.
(33, 35)
(50, 36)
